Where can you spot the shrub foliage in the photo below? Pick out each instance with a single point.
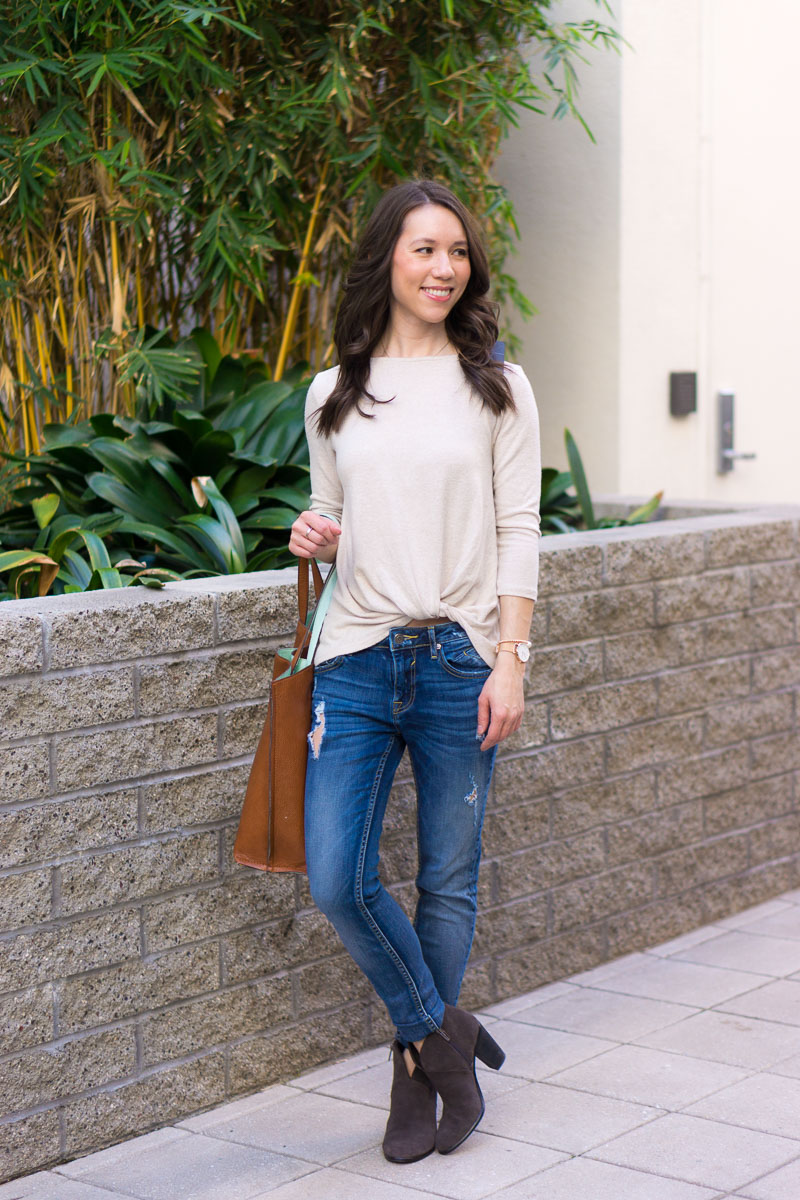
(202, 480)
(208, 164)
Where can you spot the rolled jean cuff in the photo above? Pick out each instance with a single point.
(406, 1034)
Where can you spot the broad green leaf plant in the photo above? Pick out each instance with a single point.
(202, 481)
(55, 557)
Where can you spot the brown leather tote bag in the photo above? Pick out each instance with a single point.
(271, 835)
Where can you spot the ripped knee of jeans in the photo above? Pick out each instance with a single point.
(318, 731)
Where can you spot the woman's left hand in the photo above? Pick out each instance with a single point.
(501, 702)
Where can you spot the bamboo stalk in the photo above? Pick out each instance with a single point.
(139, 293)
(9, 346)
(117, 299)
(220, 327)
(298, 285)
(7, 381)
(45, 363)
(28, 400)
(82, 322)
(251, 305)
(307, 307)
(66, 337)
(22, 372)
(73, 323)
(237, 307)
(323, 308)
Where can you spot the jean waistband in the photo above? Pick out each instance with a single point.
(415, 624)
(403, 637)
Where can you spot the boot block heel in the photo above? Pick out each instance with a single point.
(488, 1051)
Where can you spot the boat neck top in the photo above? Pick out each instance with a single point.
(437, 497)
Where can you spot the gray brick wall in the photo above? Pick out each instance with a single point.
(144, 976)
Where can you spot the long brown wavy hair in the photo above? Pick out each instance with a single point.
(363, 314)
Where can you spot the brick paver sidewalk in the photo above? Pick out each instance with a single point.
(668, 1075)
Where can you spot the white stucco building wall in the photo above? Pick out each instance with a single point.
(672, 244)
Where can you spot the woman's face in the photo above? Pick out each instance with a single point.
(430, 267)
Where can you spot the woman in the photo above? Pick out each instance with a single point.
(425, 474)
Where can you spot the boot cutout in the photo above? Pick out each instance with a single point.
(411, 1128)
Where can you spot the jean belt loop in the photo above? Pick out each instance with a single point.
(432, 640)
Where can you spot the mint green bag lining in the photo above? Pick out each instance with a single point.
(317, 617)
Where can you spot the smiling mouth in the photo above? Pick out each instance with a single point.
(438, 293)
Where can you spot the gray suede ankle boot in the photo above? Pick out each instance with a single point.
(411, 1128)
(448, 1059)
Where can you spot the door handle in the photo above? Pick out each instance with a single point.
(726, 455)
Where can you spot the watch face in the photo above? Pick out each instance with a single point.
(523, 653)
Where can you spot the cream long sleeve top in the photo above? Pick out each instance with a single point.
(438, 500)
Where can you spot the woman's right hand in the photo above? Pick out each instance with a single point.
(315, 536)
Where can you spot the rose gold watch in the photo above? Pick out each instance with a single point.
(521, 648)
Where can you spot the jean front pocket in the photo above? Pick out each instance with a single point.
(459, 657)
(330, 664)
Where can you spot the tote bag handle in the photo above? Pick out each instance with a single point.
(303, 656)
(321, 611)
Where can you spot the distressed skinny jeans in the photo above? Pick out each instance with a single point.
(419, 687)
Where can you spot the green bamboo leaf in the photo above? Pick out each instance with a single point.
(96, 79)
